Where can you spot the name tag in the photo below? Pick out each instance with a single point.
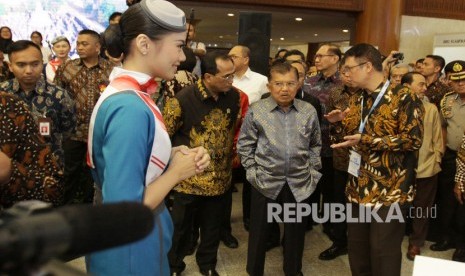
(45, 127)
(354, 163)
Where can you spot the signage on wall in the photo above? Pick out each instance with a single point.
(449, 40)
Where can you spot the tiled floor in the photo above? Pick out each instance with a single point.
(233, 261)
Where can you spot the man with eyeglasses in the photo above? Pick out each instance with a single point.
(206, 113)
(320, 86)
(279, 145)
(384, 130)
(452, 111)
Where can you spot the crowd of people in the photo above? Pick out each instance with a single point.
(147, 114)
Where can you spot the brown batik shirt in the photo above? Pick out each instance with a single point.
(436, 92)
(339, 99)
(389, 146)
(84, 84)
(35, 170)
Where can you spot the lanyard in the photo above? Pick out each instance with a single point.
(378, 99)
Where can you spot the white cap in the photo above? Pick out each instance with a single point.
(165, 14)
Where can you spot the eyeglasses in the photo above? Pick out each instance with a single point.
(281, 85)
(228, 77)
(348, 69)
(318, 56)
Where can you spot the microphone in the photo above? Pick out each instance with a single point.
(71, 231)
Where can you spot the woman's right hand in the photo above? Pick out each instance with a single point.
(183, 164)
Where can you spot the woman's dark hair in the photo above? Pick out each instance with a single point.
(190, 62)
(39, 34)
(133, 22)
(4, 43)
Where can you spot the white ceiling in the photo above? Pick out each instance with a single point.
(214, 22)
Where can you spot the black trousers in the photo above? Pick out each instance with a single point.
(448, 204)
(460, 239)
(239, 176)
(339, 229)
(324, 188)
(208, 210)
(226, 220)
(79, 187)
(293, 240)
(375, 248)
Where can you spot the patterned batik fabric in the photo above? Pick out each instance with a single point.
(194, 118)
(436, 92)
(84, 85)
(35, 172)
(51, 102)
(389, 146)
(320, 87)
(460, 175)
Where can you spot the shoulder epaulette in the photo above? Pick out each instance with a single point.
(443, 100)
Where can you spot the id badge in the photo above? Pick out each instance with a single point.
(45, 127)
(354, 163)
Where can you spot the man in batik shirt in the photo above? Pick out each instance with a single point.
(34, 172)
(50, 105)
(384, 129)
(84, 78)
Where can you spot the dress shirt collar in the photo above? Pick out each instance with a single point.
(333, 78)
(375, 93)
(203, 91)
(247, 75)
(273, 105)
(39, 89)
(81, 63)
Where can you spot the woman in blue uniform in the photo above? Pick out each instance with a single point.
(129, 148)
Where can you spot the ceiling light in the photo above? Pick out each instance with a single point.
(231, 14)
(345, 31)
(298, 19)
(315, 34)
(220, 36)
(271, 39)
(282, 38)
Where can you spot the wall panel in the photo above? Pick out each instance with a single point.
(453, 9)
(341, 5)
